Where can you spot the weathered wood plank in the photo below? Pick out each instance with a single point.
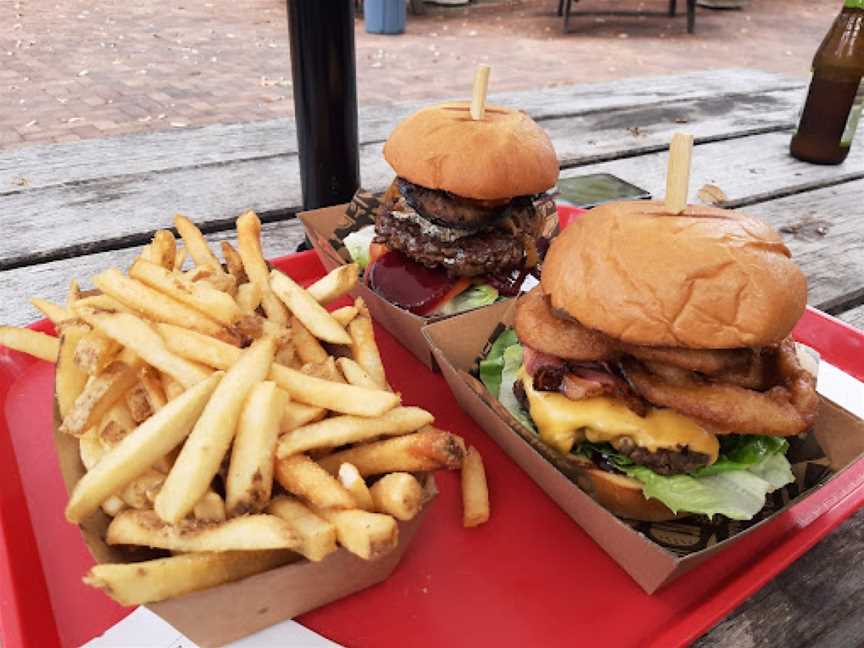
(48, 165)
(747, 169)
(816, 602)
(855, 317)
(822, 228)
(50, 280)
(103, 213)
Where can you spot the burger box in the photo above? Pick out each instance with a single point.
(219, 615)
(326, 229)
(653, 554)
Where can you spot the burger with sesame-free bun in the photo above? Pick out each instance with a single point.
(654, 362)
(464, 220)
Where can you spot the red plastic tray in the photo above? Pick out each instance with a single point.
(529, 576)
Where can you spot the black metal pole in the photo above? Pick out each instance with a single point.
(324, 75)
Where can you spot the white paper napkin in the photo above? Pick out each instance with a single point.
(143, 629)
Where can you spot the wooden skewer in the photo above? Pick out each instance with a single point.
(481, 83)
(678, 173)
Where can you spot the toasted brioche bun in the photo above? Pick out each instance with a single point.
(503, 155)
(707, 278)
(620, 494)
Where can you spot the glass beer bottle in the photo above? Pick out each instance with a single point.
(833, 107)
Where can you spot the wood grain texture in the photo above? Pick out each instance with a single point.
(50, 280)
(748, 169)
(48, 165)
(816, 602)
(855, 317)
(89, 215)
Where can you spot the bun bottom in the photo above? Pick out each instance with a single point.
(620, 495)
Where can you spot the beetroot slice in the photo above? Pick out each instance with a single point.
(407, 284)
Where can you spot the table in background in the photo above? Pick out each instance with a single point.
(72, 209)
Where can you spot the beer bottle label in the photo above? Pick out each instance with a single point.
(855, 112)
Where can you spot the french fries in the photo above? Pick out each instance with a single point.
(363, 346)
(69, 380)
(198, 347)
(180, 392)
(249, 242)
(301, 476)
(134, 333)
(210, 508)
(338, 397)
(244, 533)
(102, 303)
(235, 264)
(141, 449)
(209, 440)
(429, 449)
(311, 314)
(248, 296)
(296, 415)
(42, 346)
(156, 305)
(138, 403)
(353, 482)
(95, 352)
(163, 249)
(308, 348)
(339, 430)
(344, 315)
(196, 245)
(156, 580)
(54, 312)
(211, 303)
(152, 385)
(355, 374)
(398, 494)
(317, 536)
(98, 396)
(475, 493)
(368, 535)
(140, 493)
(334, 284)
(250, 473)
(115, 425)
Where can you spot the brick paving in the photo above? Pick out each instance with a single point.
(78, 69)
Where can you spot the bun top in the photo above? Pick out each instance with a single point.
(503, 155)
(706, 278)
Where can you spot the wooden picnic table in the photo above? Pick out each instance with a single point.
(74, 208)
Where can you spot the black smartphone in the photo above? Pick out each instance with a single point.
(597, 188)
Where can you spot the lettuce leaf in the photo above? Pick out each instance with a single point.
(737, 494)
(740, 452)
(474, 297)
(357, 243)
(493, 364)
(512, 363)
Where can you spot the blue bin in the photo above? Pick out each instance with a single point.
(384, 16)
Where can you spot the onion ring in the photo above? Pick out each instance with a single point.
(786, 409)
(540, 329)
(707, 361)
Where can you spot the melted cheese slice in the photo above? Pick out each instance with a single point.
(562, 422)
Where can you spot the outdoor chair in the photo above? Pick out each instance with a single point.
(564, 10)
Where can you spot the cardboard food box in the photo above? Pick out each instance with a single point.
(328, 227)
(219, 615)
(653, 554)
